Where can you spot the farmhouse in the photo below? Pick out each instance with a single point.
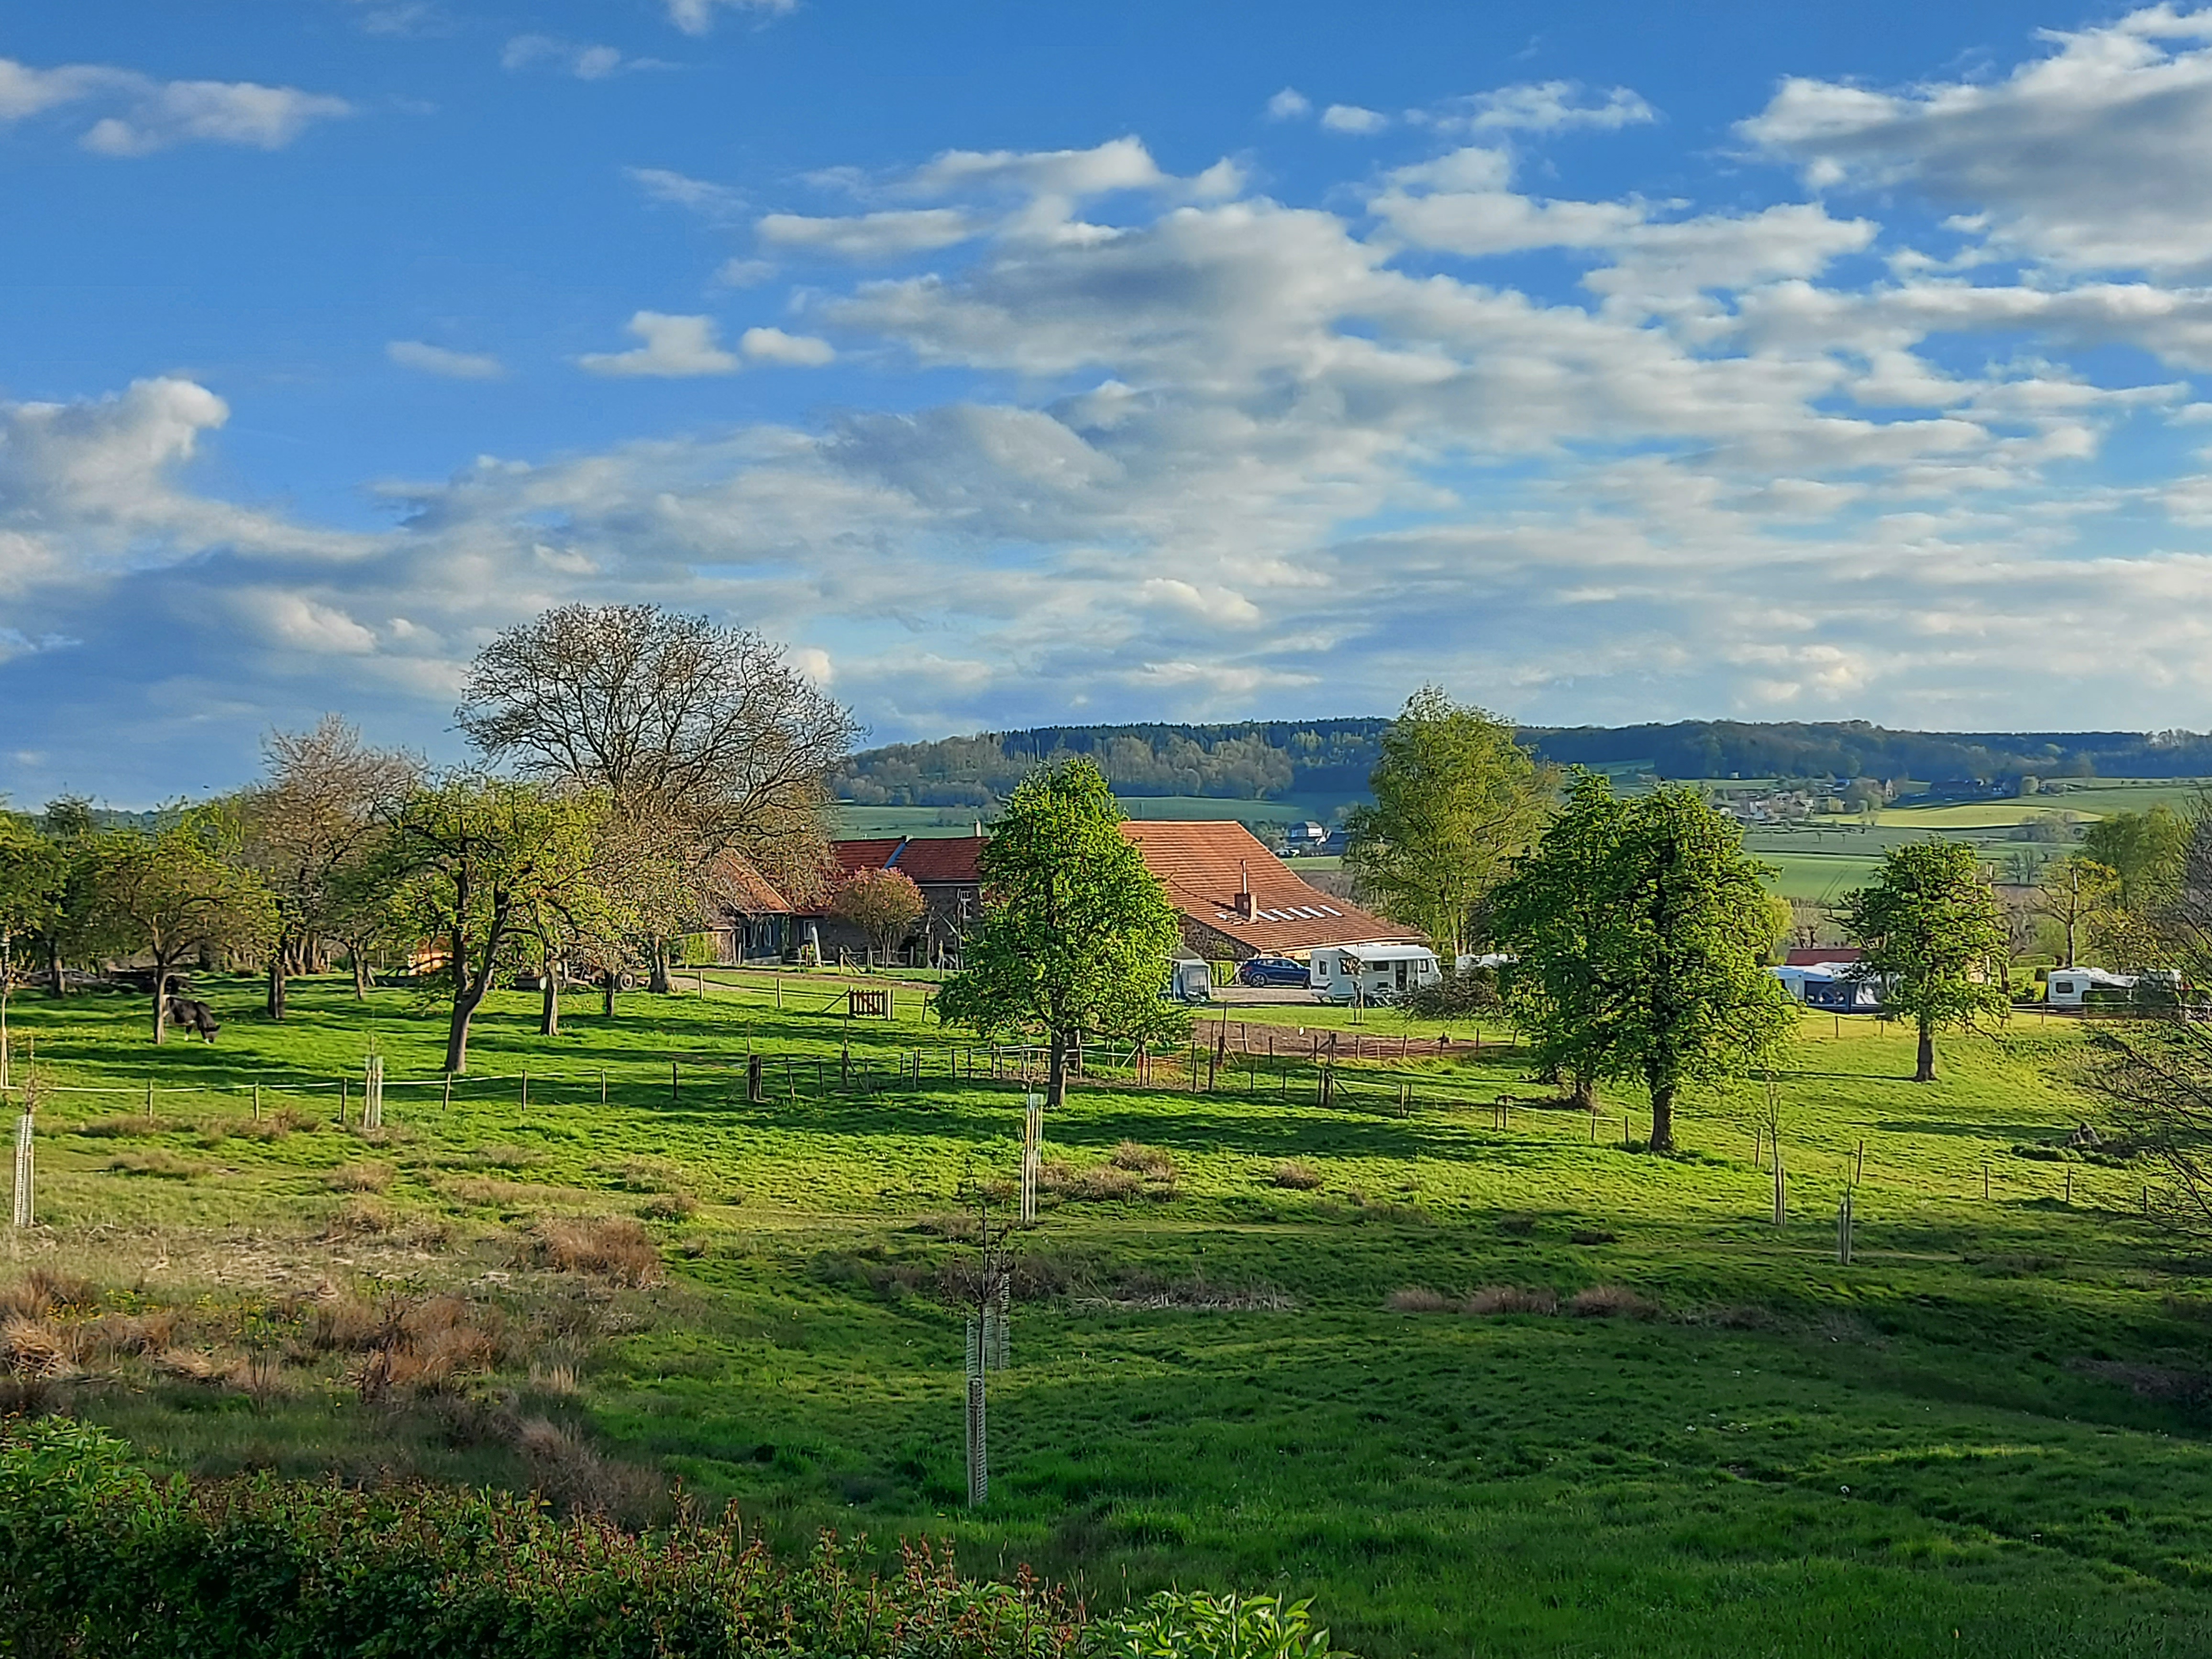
(753, 921)
(943, 866)
(1238, 900)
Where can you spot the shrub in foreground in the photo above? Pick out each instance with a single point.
(97, 1557)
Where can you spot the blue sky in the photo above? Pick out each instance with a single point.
(1019, 364)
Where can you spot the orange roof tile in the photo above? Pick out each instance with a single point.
(1207, 865)
(739, 884)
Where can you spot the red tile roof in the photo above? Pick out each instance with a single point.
(1205, 867)
(741, 886)
(929, 860)
(1823, 955)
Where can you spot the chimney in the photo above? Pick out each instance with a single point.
(1244, 892)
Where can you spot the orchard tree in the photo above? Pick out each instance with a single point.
(1456, 799)
(174, 893)
(1933, 934)
(311, 820)
(33, 872)
(68, 823)
(881, 904)
(469, 860)
(1640, 931)
(1076, 933)
(703, 737)
(2075, 893)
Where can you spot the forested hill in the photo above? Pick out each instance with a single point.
(1277, 760)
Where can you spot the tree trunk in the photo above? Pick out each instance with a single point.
(660, 985)
(607, 991)
(57, 976)
(1924, 1070)
(1055, 1088)
(1585, 1093)
(161, 1001)
(469, 991)
(358, 960)
(1662, 1117)
(549, 1014)
(273, 1003)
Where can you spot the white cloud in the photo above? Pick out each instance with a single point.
(1540, 107)
(585, 63)
(697, 16)
(156, 114)
(773, 346)
(673, 348)
(439, 360)
(1288, 104)
(1351, 118)
(743, 273)
(716, 203)
(2096, 156)
(887, 235)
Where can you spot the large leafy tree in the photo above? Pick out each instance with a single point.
(1076, 933)
(66, 932)
(1456, 798)
(1640, 930)
(2144, 850)
(175, 892)
(704, 738)
(472, 861)
(1935, 938)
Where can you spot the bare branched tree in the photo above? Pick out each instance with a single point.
(307, 824)
(2156, 1073)
(705, 738)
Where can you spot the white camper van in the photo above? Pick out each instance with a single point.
(1371, 973)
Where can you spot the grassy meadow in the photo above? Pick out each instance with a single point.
(1516, 1390)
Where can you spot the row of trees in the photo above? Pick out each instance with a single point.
(624, 753)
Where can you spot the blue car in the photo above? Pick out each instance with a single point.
(1274, 970)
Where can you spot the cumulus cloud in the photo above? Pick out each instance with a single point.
(1288, 104)
(697, 16)
(585, 62)
(1228, 452)
(1540, 107)
(153, 115)
(439, 360)
(673, 348)
(716, 203)
(2097, 155)
(1353, 118)
(773, 346)
(867, 236)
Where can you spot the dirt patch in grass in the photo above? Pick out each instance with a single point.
(1592, 1236)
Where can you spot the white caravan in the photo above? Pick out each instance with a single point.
(1371, 973)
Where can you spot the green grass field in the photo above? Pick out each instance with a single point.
(1983, 1437)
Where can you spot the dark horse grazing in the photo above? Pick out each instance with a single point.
(188, 1013)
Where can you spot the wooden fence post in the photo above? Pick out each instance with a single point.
(753, 1091)
(673, 1095)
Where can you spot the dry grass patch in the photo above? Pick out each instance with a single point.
(33, 1348)
(1611, 1302)
(42, 1291)
(608, 1246)
(669, 1206)
(1295, 1174)
(482, 1192)
(1418, 1299)
(503, 1156)
(359, 1178)
(1149, 1162)
(162, 1165)
(127, 1125)
(1512, 1299)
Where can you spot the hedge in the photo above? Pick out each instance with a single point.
(100, 1558)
